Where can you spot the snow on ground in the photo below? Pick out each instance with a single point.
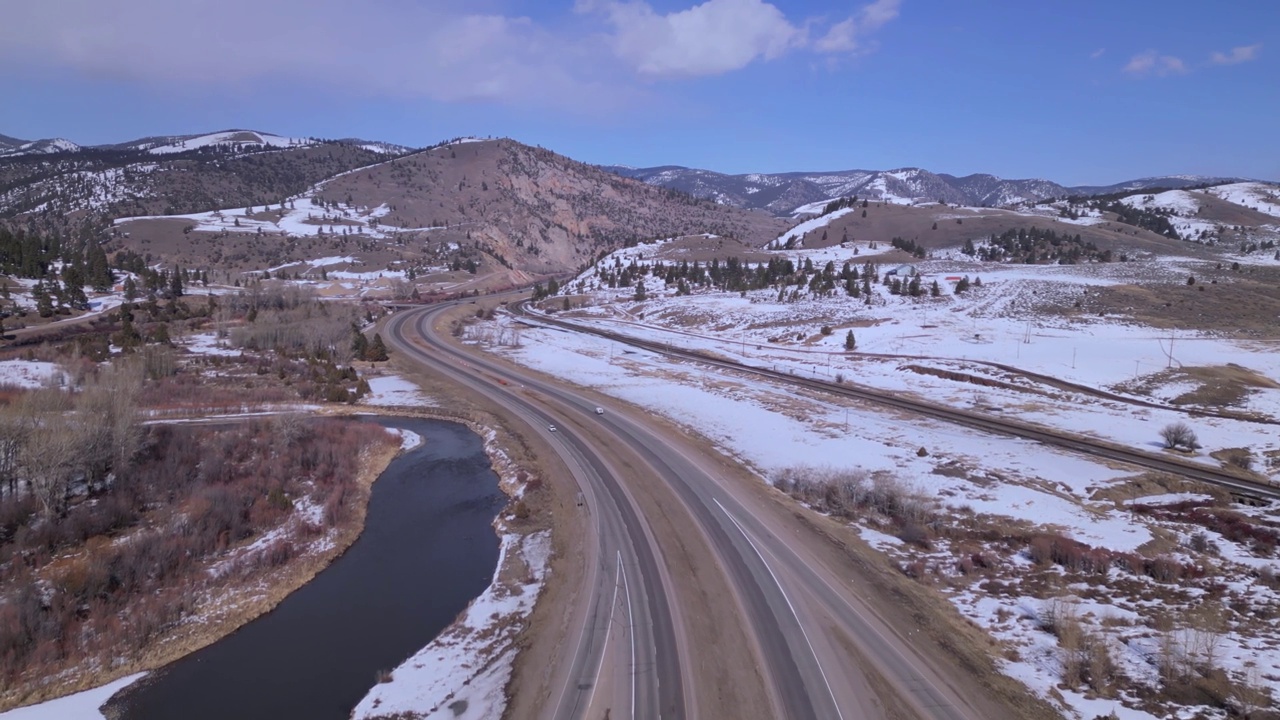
(1003, 321)
(30, 374)
(96, 189)
(1178, 202)
(746, 417)
(298, 216)
(771, 427)
(210, 344)
(80, 706)
(999, 323)
(463, 673)
(1182, 207)
(395, 391)
(233, 138)
(808, 226)
(1263, 197)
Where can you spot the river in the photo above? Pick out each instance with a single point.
(427, 550)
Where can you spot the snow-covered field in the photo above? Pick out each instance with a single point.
(1259, 196)
(395, 391)
(772, 428)
(300, 216)
(29, 374)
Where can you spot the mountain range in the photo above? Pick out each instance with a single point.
(806, 192)
(244, 200)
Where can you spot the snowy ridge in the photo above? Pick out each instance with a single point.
(235, 139)
(787, 193)
(40, 147)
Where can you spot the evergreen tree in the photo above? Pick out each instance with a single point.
(44, 303)
(640, 292)
(175, 283)
(127, 338)
(130, 290)
(359, 343)
(73, 287)
(935, 291)
(97, 270)
(377, 349)
(849, 342)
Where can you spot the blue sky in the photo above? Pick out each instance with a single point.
(1077, 92)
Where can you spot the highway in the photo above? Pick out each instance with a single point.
(622, 540)
(820, 649)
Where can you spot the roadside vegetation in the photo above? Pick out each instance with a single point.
(124, 540)
(1164, 648)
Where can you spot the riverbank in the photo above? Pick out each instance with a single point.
(215, 614)
(465, 672)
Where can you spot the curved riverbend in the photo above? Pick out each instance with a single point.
(428, 549)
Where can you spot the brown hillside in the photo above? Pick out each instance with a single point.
(533, 209)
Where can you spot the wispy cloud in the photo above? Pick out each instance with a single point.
(1153, 63)
(848, 36)
(1237, 55)
(433, 48)
(1097, 53)
(607, 53)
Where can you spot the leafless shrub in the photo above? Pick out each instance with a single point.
(1241, 459)
(914, 534)
(1179, 435)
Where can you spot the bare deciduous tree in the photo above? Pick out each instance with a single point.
(1179, 434)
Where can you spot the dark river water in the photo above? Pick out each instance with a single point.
(427, 550)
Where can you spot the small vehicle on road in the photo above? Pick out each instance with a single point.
(552, 428)
(599, 411)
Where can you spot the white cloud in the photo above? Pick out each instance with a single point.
(1237, 55)
(708, 39)
(1152, 62)
(436, 49)
(846, 36)
(719, 36)
(1097, 53)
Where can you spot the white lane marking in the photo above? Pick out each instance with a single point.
(631, 630)
(609, 629)
(803, 632)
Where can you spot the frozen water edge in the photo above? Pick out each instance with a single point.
(463, 673)
(80, 706)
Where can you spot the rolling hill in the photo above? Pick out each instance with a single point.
(805, 192)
